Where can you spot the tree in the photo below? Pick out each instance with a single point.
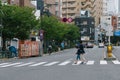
(17, 22)
(57, 31)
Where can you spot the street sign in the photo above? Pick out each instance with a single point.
(40, 5)
(109, 33)
(70, 19)
(117, 33)
(41, 34)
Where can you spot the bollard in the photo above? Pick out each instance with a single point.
(109, 51)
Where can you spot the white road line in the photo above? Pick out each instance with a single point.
(116, 62)
(24, 64)
(64, 63)
(37, 64)
(90, 63)
(79, 62)
(103, 62)
(7, 65)
(50, 64)
(3, 64)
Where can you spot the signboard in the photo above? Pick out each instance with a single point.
(84, 13)
(41, 34)
(85, 38)
(69, 19)
(117, 33)
(109, 33)
(28, 48)
(34, 48)
(40, 4)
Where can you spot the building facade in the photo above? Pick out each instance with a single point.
(20, 2)
(87, 28)
(73, 8)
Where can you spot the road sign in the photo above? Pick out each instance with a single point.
(40, 4)
(41, 34)
(70, 19)
(117, 33)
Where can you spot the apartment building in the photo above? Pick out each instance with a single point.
(118, 22)
(54, 6)
(20, 2)
(73, 8)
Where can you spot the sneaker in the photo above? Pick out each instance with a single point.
(82, 62)
(75, 62)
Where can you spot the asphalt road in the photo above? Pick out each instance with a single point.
(60, 66)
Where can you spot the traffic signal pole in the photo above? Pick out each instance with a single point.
(40, 6)
(109, 55)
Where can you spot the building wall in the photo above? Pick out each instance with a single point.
(54, 6)
(109, 21)
(87, 28)
(118, 20)
(72, 8)
(119, 6)
(20, 2)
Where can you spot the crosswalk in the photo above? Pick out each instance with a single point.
(56, 63)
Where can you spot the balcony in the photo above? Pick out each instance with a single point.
(72, 5)
(72, 11)
(68, 0)
(64, 6)
(87, 4)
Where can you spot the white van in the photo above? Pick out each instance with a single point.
(101, 45)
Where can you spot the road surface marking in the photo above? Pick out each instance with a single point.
(103, 62)
(7, 65)
(37, 64)
(52, 63)
(90, 63)
(24, 64)
(79, 62)
(4, 64)
(64, 63)
(116, 62)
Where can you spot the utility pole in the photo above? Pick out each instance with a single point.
(40, 6)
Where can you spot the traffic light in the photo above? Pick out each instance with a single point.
(67, 19)
(64, 19)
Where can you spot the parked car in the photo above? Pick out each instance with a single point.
(89, 45)
(101, 45)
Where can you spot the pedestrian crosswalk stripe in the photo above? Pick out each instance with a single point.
(3, 64)
(79, 62)
(58, 63)
(24, 64)
(116, 62)
(7, 65)
(37, 64)
(52, 63)
(90, 63)
(103, 62)
(64, 63)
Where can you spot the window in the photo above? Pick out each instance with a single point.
(82, 3)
